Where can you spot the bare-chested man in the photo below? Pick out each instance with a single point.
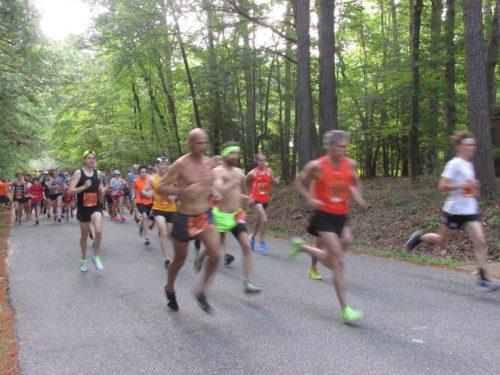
(194, 177)
(229, 186)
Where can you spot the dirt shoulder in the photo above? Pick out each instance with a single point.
(8, 346)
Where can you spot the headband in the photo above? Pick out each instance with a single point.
(87, 153)
(230, 149)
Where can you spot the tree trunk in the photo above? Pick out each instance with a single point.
(415, 89)
(450, 109)
(307, 131)
(477, 96)
(192, 90)
(435, 57)
(327, 84)
(283, 156)
(491, 57)
(138, 108)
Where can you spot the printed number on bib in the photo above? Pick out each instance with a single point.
(262, 188)
(164, 199)
(19, 194)
(197, 224)
(89, 199)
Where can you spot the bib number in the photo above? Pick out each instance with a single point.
(89, 199)
(19, 194)
(262, 188)
(197, 224)
(240, 217)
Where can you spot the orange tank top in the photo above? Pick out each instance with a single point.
(261, 185)
(332, 188)
(139, 185)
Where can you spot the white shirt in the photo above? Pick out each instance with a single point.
(457, 170)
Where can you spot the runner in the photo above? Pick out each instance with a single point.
(130, 181)
(87, 185)
(68, 202)
(117, 185)
(164, 206)
(45, 184)
(335, 180)
(229, 183)
(19, 192)
(460, 209)
(27, 198)
(143, 202)
(193, 174)
(259, 180)
(56, 187)
(4, 189)
(37, 196)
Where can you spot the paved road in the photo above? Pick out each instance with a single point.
(418, 320)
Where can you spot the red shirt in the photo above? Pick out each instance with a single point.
(3, 189)
(332, 188)
(261, 184)
(36, 192)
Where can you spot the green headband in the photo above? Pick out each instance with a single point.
(230, 149)
(86, 153)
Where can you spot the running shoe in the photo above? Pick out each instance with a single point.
(297, 243)
(488, 285)
(351, 315)
(202, 302)
(151, 226)
(314, 274)
(263, 247)
(84, 265)
(414, 240)
(167, 263)
(97, 263)
(36, 221)
(228, 259)
(137, 220)
(122, 218)
(59, 220)
(171, 300)
(198, 263)
(113, 218)
(251, 240)
(147, 243)
(250, 288)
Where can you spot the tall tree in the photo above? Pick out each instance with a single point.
(327, 82)
(450, 109)
(307, 132)
(415, 88)
(492, 56)
(477, 95)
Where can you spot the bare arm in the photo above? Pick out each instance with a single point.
(304, 180)
(165, 187)
(446, 185)
(356, 187)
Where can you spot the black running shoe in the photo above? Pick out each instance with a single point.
(414, 240)
(228, 259)
(151, 226)
(488, 285)
(171, 300)
(137, 220)
(90, 235)
(202, 302)
(167, 263)
(147, 243)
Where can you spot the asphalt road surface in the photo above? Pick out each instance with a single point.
(418, 320)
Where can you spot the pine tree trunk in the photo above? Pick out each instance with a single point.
(450, 109)
(477, 96)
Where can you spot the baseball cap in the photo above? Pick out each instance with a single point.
(162, 159)
(116, 171)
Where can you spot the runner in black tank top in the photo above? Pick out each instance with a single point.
(87, 185)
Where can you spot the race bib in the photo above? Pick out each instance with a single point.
(164, 199)
(339, 192)
(262, 188)
(240, 217)
(89, 199)
(19, 194)
(56, 190)
(197, 224)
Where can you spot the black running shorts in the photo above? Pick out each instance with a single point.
(324, 222)
(187, 227)
(457, 221)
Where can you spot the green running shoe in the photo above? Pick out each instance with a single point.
(198, 263)
(297, 243)
(98, 262)
(314, 274)
(84, 265)
(351, 315)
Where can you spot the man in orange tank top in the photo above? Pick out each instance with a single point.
(259, 181)
(143, 202)
(335, 181)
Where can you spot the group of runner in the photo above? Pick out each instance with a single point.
(203, 198)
